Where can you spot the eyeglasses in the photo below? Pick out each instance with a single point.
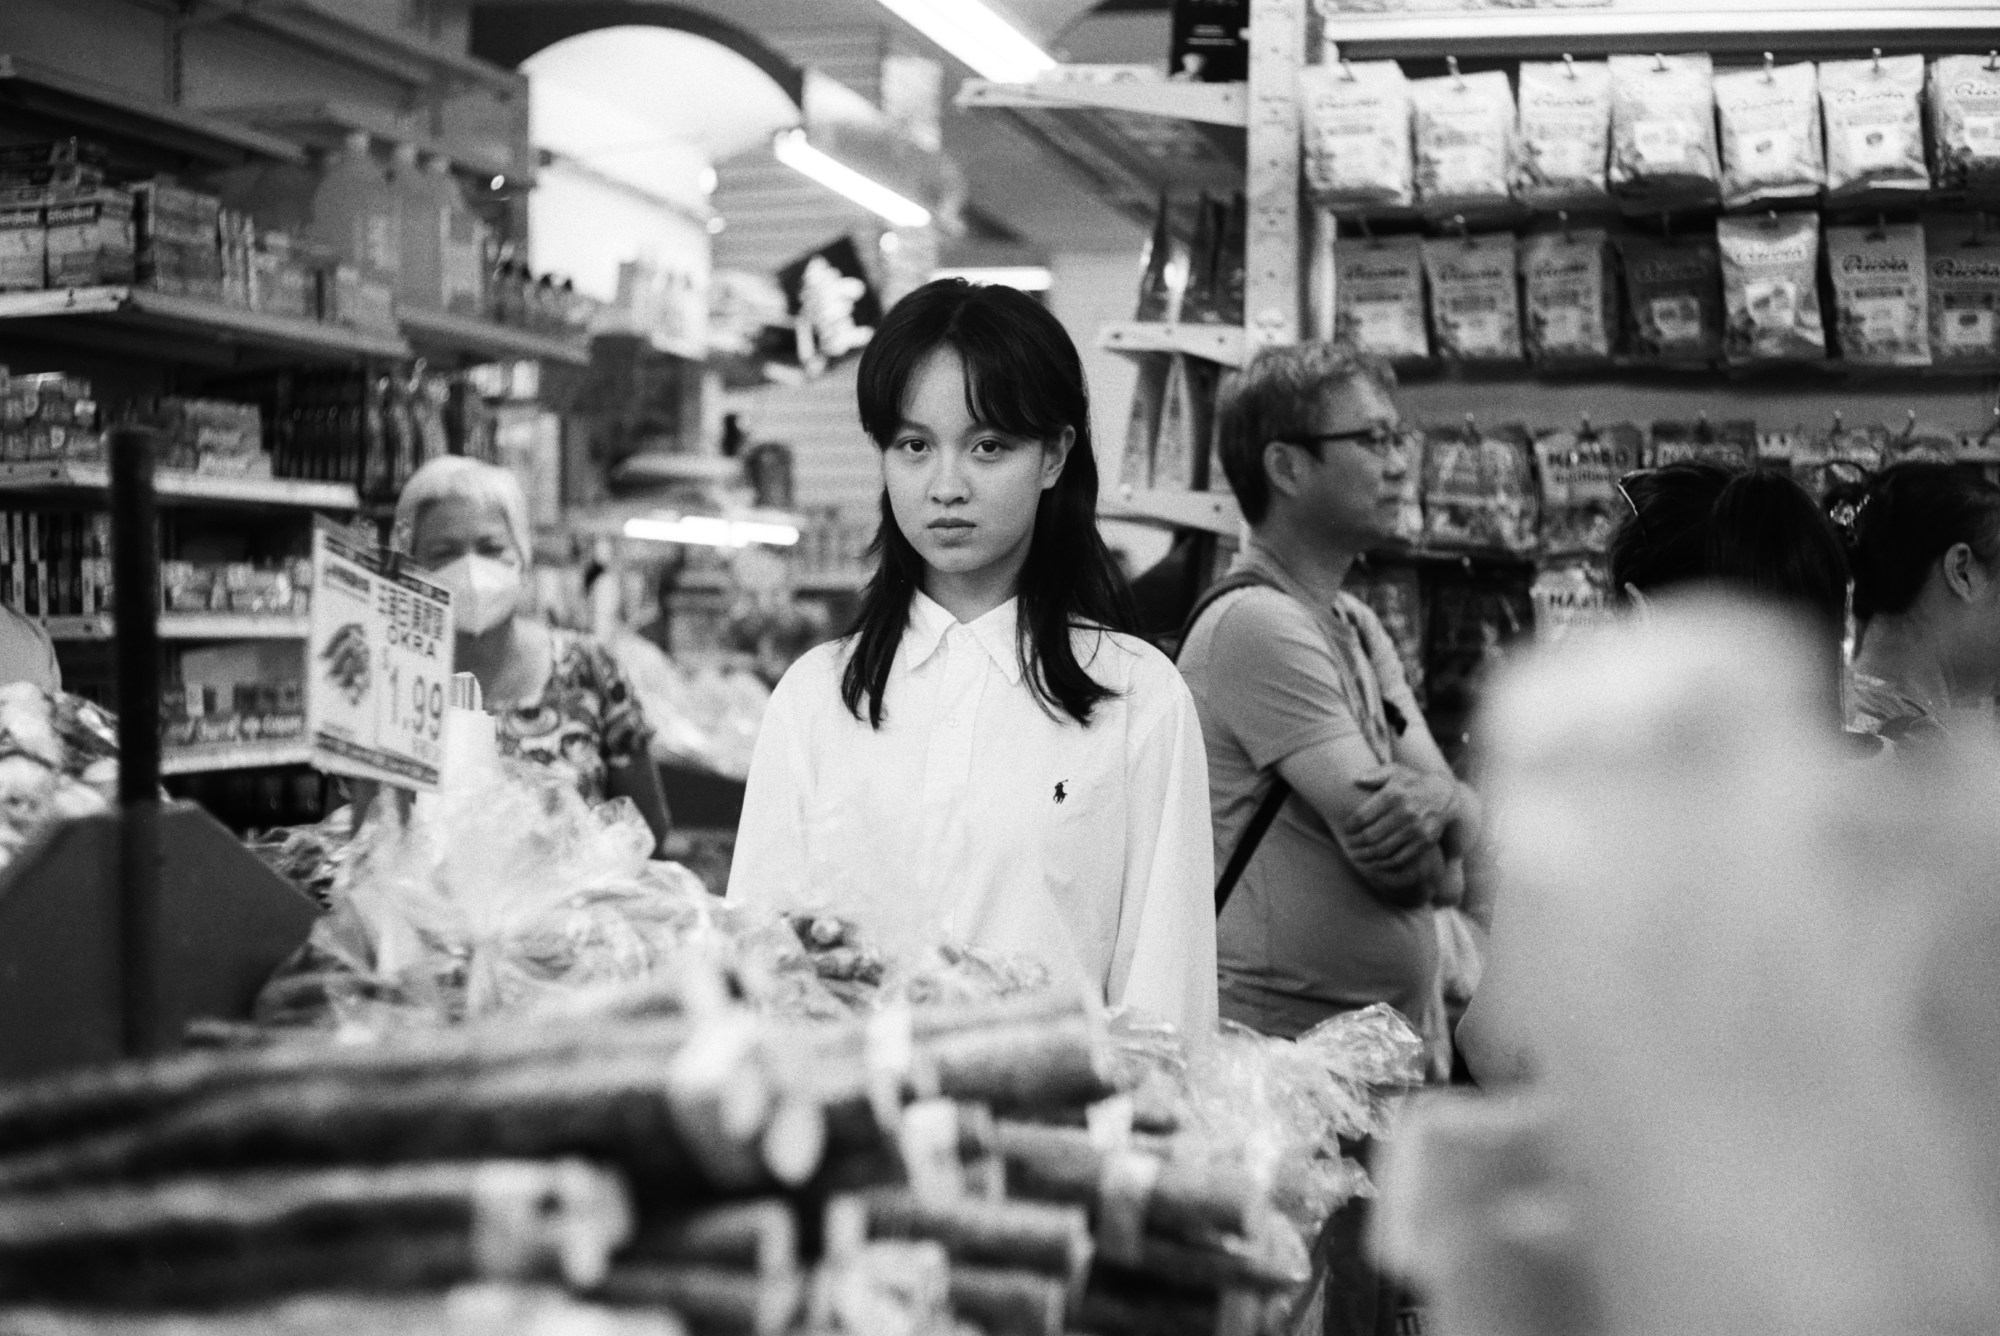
(1377, 441)
(1636, 475)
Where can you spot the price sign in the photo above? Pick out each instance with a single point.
(379, 669)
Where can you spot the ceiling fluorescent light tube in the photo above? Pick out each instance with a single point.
(711, 531)
(793, 150)
(1026, 277)
(970, 30)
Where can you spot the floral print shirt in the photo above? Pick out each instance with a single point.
(585, 719)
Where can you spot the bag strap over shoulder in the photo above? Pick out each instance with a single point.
(1274, 800)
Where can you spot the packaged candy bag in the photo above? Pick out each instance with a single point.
(1663, 130)
(1478, 489)
(1379, 297)
(1464, 130)
(1770, 283)
(1733, 443)
(1357, 134)
(1673, 291)
(1396, 596)
(1964, 293)
(1874, 124)
(1569, 596)
(1564, 132)
(1475, 304)
(1578, 471)
(1571, 311)
(1965, 123)
(1881, 295)
(1770, 134)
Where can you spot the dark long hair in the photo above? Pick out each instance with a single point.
(1022, 377)
(1903, 519)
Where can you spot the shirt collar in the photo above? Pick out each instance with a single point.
(930, 624)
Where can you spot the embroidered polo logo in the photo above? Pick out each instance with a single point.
(1061, 792)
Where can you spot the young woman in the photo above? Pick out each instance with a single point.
(1924, 541)
(987, 756)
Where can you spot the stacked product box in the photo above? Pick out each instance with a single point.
(56, 563)
(278, 589)
(178, 232)
(48, 416)
(216, 436)
(61, 223)
(223, 694)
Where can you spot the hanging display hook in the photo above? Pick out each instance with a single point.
(1367, 232)
(1347, 70)
(1569, 64)
(1910, 425)
(1992, 61)
(1458, 226)
(1770, 67)
(1584, 431)
(1659, 63)
(1457, 79)
(1880, 231)
(1878, 59)
(1471, 429)
(1562, 218)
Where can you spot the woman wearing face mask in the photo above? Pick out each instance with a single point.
(557, 696)
(987, 757)
(1924, 541)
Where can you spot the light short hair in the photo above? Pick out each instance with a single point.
(1275, 398)
(457, 477)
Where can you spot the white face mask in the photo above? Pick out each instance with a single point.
(484, 592)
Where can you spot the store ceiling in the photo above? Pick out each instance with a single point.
(1010, 180)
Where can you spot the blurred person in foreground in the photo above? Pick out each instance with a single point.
(1768, 1027)
(1924, 542)
(557, 696)
(1304, 704)
(1694, 525)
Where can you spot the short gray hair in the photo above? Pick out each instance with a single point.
(457, 477)
(1275, 399)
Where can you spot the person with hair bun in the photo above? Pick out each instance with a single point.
(989, 757)
(1754, 531)
(1924, 542)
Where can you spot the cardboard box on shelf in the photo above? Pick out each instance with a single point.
(89, 237)
(24, 240)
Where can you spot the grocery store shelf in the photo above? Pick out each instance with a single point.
(1214, 343)
(408, 60)
(326, 123)
(187, 329)
(188, 626)
(132, 127)
(1207, 103)
(1645, 25)
(58, 475)
(1215, 512)
(468, 340)
(197, 758)
(818, 582)
(1128, 156)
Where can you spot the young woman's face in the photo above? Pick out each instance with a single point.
(964, 493)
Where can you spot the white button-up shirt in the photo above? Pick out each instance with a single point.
(976, 815)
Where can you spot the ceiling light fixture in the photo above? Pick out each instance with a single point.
(793, 150)
(1026, 277)
(970, 30)
(711, 531)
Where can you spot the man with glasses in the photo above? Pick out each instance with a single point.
(1332, 805)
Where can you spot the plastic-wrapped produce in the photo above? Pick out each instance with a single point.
(58, 760)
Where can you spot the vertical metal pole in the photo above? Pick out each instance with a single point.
(135, 553)
(1272, 285)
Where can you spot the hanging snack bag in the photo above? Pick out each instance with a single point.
(1964, 293)
(1357, 134)
(1475, 304)
(1965, 123)
(1663, 130)
(1734, 443)
(1881, 299)
(1569, 296)
(1409, 527)
(1578, 471)
(1569, 597)
(1874, 124)
(1770, 285)
(1464, 140)
(1478, 489)
(1563, 132)
(1396, 596)
(1673, 290)
(1379, 297)
(1770, 134)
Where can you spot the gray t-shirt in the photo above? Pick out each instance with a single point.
(1302, 937)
